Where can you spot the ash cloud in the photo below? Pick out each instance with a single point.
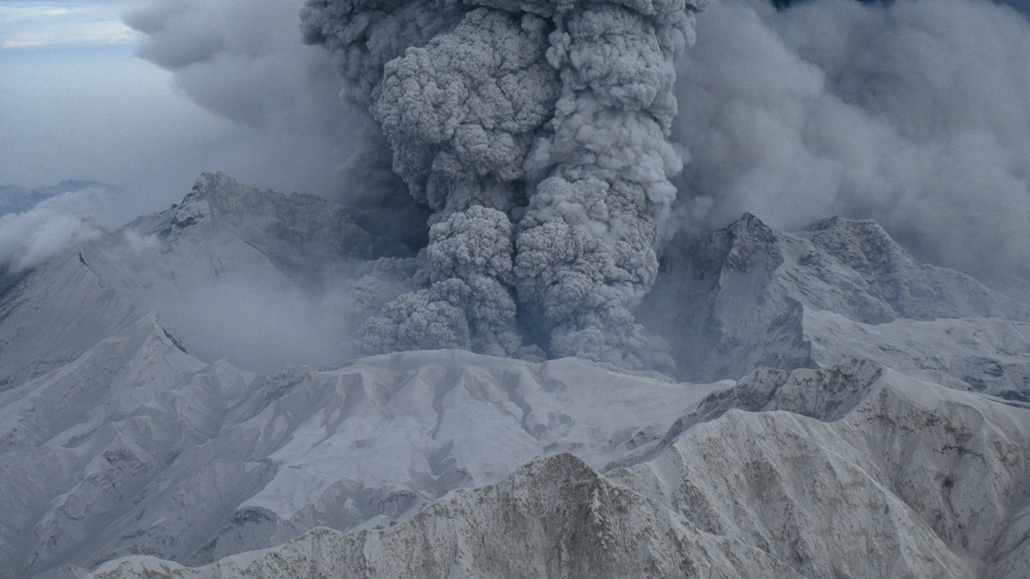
(913, 113)
(535, 152)
(540, 125)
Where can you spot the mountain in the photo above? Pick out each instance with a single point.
(905, 479)
(137, 419)
(216, 460)
(747, 296)
(255, 277)
(117, 437)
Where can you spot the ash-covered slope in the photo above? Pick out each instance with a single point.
(224, 230)
(299, 234)
(869, 474)
(226, 256)
(856, 471)
(159, 454)
(135, 446)
(555, 517)
(120, 436)
(747, 296)
(49, 317)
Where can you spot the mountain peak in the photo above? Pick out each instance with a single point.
(751, 242)
(300, 233)
(748, 296)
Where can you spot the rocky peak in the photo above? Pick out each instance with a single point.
(299, 233)
(912, 290)
(751, 243)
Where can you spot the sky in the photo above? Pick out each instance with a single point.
(78, 102)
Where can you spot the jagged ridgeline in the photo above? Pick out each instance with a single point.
(536, 132)
(121, 432)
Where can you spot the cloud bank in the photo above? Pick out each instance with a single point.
(245, 61)
(32, 25)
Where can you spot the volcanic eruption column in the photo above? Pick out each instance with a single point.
(537, 133)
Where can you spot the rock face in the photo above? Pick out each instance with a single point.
(737, 299)
(120, 438)
(555, 517)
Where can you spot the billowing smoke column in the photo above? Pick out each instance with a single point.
(537, 133)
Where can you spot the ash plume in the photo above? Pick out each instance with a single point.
(537, 133)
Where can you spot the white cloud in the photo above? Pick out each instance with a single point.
(28, 239)
(76, 24)
(24, 40)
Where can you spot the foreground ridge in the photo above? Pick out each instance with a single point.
(908, 479)
(554, 517)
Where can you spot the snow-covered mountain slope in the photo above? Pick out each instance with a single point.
(555, 517)
(50, 317)
(733, 300)
(855, 471)
(300, 235)
(255, 277)
(158, 454)
(868, 474)
(122, 433)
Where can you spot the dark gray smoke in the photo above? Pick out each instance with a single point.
(537, 133)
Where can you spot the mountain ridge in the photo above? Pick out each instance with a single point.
(122, 433)
(742, 479)
(757, 297)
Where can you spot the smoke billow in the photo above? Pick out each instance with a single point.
(537, 133)
(914, 113)
(261, 326)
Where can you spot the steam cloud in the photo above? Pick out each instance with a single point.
(541, 122)
(245, 61)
